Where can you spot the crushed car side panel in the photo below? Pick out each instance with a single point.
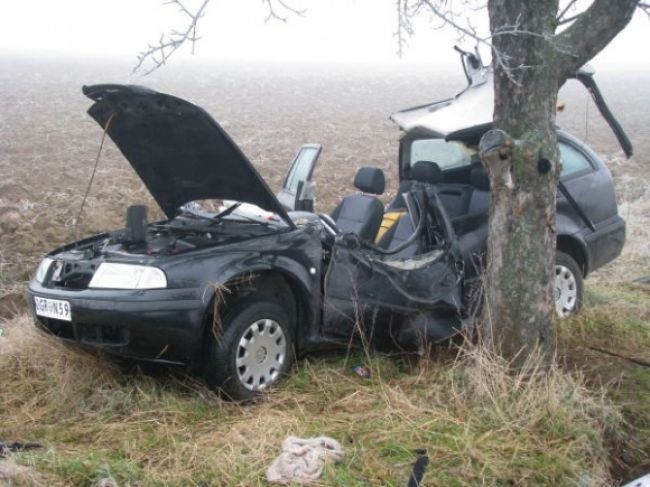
(409, 298)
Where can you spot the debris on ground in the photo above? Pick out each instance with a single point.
(6, 448)
(640, 482)
(362, 371)
(419, 467)
(106, 482)
(302, 460)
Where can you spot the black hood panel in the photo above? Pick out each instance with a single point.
(178, 150)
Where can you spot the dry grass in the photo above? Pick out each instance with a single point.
(479, 424)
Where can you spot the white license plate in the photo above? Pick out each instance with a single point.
(52, 308)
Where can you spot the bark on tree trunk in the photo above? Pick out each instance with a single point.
(521, 158)
(531, 62)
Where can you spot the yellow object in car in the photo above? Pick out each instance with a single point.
(389, 220)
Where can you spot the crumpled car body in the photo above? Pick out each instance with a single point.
(165, 291)
(590, 232)
(237, 289)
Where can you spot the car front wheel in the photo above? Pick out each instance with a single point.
(568, 285)
(254, 351)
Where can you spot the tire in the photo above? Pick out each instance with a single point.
(568, 286)
(241, 367)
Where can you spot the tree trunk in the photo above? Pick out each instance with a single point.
(521, 158)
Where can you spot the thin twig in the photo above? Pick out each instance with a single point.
(564, 11)
(634, 360)
(273, 11)
(645, 7)
(167, 45)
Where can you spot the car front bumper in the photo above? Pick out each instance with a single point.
(164, 325)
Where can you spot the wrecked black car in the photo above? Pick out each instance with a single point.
(236, 291)
(236, 281)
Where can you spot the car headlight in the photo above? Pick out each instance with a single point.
(42, 269)
(127, 276)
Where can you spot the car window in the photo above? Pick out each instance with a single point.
(300, 169)
(573, 160)
(447, 155)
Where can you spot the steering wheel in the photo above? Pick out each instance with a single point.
(329, 223)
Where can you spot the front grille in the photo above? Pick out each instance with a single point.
(103, 334)
(85, 332)
(58, 328)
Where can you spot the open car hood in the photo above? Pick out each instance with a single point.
(178, 150)
(473, 108)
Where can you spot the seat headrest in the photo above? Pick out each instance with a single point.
(426, 172)
(370, 180)
(479, 179)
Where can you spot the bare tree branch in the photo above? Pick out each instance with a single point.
(645, 7)
(404, 27)
(284, 7)
(156, 55)
(462, 24)
(167, 45)
(592, 31)
(560, 17)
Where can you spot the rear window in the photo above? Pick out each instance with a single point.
(573, 161)
(447, 155)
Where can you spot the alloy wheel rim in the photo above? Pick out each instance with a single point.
(260, 354)
(565, 292)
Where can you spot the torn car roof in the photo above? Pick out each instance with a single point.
(472, 107)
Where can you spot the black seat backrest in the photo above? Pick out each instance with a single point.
(480, 199)
(399, 233)
(423, 172)
(362, 214)
(455, 198)
(426, 172)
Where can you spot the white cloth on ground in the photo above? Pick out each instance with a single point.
(303, 459)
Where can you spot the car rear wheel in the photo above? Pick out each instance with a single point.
(253, 352)
(568, 286)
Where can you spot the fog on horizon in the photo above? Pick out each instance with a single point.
(344, 32)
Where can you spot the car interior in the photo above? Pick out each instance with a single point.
(466, 205)
(362, 214)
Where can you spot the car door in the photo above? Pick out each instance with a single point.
(297, 193)
(587, 181)
(377, 293)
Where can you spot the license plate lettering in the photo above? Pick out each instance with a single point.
(53, 308)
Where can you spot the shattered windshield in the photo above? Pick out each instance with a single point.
(447, 155)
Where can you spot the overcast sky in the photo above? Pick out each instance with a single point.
(351, 31)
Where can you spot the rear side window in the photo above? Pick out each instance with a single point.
(447, 155)
(573, 161)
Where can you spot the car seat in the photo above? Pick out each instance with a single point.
(471, 228)
(362, 214)
(399, 233)
(423, 172)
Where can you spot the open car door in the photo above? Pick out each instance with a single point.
(297, 193)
